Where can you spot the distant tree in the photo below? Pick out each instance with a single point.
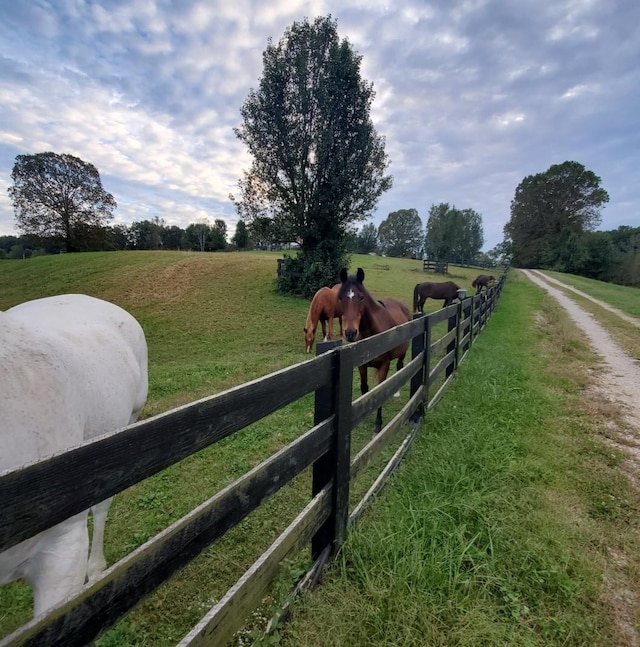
(196, 237)
(59, 196)
(241, 237)
(118, 237)
(453, 234)
(400, 234)
(566, 197)
(146, 234)
(265, 232)
(367, 239)
(318, 164)
(7, 242)
(501, 253)
(602, 255)
(218, 236)
(172, 237)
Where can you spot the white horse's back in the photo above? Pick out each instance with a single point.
(72, 368)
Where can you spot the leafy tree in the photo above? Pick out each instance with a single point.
(566, 197)
(453, 234)
(318, 164)
(218, 236)
(400, 234)
(172, 237)
(367, 239)
(59, 196)
(241, 237)
(118, 237)
(196, 237)
(146, 234)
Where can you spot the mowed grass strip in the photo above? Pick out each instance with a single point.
(623, 297)
(510, 521)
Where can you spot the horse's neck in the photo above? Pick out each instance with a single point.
(374, 314)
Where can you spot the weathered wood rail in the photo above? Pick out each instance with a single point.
(45, 492)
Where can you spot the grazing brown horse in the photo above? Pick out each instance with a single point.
(364, 317)
(324, 308)
(482, 281)
(447, 291)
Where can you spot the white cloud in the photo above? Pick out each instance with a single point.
(471, 96)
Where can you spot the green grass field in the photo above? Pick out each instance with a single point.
(510, 521)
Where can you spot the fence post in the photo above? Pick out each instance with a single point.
(335, 464)
(427, 359)
(417, 346)
(465, 316)
(452, 345)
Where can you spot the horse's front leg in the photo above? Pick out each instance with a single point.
(383, 371)
(364, 384)
(323, 323)
(340, 322)
(330, 318)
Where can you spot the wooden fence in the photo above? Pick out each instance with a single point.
(46, 492)
(439, 267)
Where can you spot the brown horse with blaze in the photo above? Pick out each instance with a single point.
(363, 316)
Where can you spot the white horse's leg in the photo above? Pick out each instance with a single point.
(97, 562)
(58, 568)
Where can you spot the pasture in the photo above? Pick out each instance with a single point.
(212, 321)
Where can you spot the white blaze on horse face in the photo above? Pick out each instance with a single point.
(351, 294)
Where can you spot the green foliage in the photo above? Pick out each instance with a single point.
(367, 239)
(547, 208)
(453, 234)
(218, 235)
(241, 237)
(318, 164)
(59, 196)
(310, 270)
(400, 234)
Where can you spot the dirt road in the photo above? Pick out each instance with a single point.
(621, 373)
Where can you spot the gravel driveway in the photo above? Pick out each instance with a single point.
(620, 372)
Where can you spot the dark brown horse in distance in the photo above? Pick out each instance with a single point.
(447, 291)
(364, 316)
(324, 308)
(482, 281)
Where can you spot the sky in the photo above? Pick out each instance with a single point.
(472, 96)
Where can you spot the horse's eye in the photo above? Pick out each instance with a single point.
(362, 297)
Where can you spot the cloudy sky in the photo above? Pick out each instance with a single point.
(471, 95)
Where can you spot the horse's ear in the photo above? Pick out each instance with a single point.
(343, 274)
(360, 275)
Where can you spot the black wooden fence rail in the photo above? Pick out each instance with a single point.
(45, 492)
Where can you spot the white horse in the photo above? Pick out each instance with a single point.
(71, 368)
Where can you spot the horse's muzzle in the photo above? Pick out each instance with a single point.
(351, 334)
